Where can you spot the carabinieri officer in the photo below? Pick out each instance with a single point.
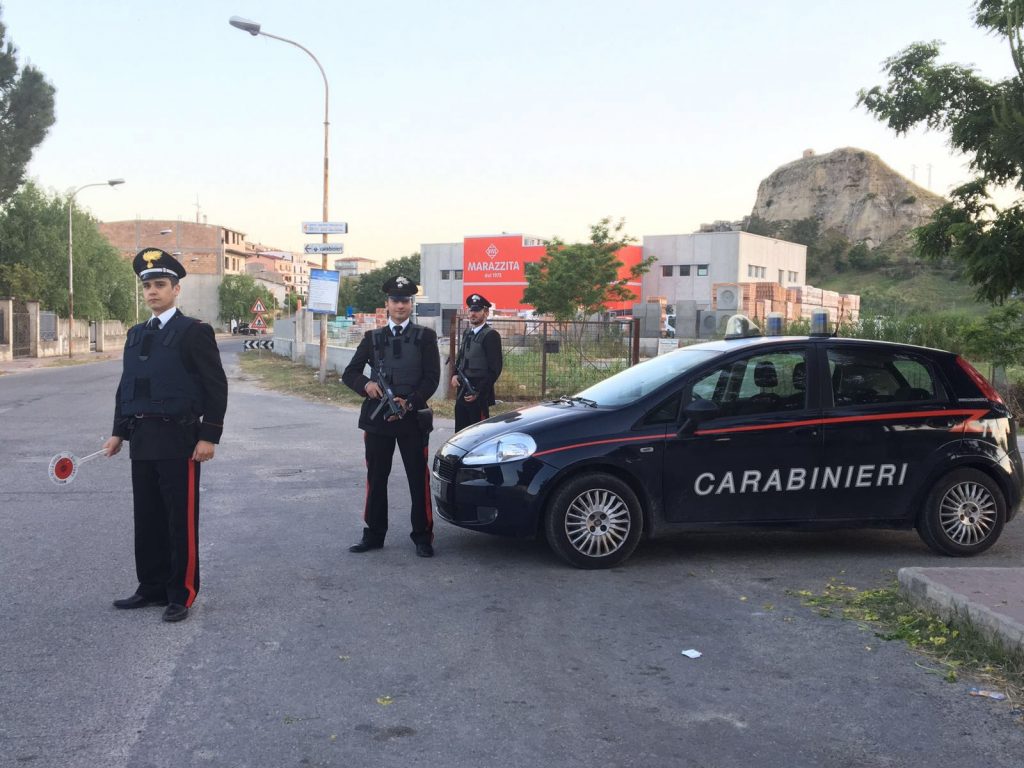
(170, 406)
(479, 360)
(403, 358)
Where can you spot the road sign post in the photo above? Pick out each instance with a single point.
(325, 227)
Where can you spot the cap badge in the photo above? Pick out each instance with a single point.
(149, 257)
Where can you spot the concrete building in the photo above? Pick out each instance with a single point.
(686, 268)
(208, 252)
(293, 270)
(353, 266)
(688, 265)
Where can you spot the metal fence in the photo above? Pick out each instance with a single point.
(48, 326)
(546, 359)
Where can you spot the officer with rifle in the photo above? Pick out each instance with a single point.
(405, 370)
(477, 366)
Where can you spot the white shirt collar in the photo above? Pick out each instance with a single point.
(403, 326)
(165, 317)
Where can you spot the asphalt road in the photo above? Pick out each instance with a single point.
(298, 653)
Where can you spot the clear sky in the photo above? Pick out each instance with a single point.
(466, 117)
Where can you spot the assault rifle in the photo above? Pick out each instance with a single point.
(466, 387)
(388, 400)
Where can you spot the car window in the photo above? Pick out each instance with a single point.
(641, 380)
(760, 383)
(880, 376)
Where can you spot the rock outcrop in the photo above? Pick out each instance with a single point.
(849, 191)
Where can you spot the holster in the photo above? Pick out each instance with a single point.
(425, 420)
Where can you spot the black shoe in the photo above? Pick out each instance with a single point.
(424, 549)
(139, 601)
(365, 546)
(175, 612)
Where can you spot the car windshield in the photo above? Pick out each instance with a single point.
(637, 382)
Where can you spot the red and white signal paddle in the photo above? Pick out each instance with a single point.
(64, 466)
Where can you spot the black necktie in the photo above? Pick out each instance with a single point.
(153, 324)
(398, 330)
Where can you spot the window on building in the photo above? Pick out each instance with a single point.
(782, 277)
(666, 271)
(750, 270)
(684, 270)
(446, 274)
(227, 263)
(702, 270)
(793, 278)
(458, 274)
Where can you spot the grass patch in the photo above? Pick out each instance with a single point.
(954, 647)
(282, 375)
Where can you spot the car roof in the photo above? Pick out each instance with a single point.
(731, 345)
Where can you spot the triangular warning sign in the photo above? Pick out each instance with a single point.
(259, 323)
(258, 307)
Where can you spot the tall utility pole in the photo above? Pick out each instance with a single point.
(71, 262)
(254, 29)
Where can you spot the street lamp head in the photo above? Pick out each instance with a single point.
(115, 182)
(244, 24)
(165, 231)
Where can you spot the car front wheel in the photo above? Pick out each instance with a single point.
(594, 521)
(964, 514)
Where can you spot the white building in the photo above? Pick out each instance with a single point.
(688, 265)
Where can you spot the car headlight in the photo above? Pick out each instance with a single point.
(510, 447)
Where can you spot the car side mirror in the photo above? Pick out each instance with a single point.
(696, 413)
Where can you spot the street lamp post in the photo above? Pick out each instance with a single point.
(138, 246)
(71, 263)
(254, 29)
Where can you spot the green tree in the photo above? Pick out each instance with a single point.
(985, 121)
(998, 338)
(34, 259)
(581, 278)
(368, 296)
(237, 294)
(347, 293)
(26, 114)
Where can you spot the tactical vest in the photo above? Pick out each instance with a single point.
(474, 359)
(155, 381)
(400, 358)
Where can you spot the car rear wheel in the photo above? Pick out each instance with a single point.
(593, 521)
(964, 514)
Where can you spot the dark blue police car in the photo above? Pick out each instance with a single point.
(812, 431)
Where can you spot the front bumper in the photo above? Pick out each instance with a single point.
(503, 499)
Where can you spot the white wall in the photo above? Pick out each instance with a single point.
(727, 256)
(433, 258)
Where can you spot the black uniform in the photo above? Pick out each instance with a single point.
(173, 393)
(480, 360)
(412, 367)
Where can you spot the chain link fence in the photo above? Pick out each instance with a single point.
(545, 359)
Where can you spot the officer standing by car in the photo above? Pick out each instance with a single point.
(479, 361)
(405, 370)
(170, 406)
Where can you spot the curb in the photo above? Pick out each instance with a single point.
(926, 588)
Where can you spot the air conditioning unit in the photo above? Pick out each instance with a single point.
(707, 324)
(727, 296)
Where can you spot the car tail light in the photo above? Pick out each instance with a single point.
(986, 389)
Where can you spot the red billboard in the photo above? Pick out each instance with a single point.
(496, 268)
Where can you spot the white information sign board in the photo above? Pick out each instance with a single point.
(323, 291)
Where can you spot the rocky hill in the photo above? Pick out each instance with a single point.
(848, 191)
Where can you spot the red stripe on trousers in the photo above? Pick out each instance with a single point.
(426, 482)
(190, 513)
(366, 493)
